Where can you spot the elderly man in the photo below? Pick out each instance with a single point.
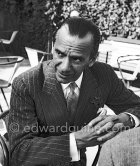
(54, 106)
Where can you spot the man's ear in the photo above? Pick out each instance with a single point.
(91, 62)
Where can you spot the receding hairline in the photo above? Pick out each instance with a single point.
(80, 27)
(66, 27)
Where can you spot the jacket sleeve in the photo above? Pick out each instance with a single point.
(121, 99)
(27, 146)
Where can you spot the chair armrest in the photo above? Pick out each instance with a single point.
(18, 59)
(44, 53)
(135, 57)
(33, 55)
(5, 41)
(131, 58)
(128, 58)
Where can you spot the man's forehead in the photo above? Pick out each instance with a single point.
(65, 30)
(64, 35)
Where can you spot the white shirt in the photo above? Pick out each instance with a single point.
(74, 152)
(66, 89)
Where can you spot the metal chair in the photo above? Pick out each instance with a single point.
(8, 67)
(33, 55)
(8, 42)
(129, 59)
(125, 59)
(129, 67)
(4, 142)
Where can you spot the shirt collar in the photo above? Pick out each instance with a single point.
(78, 82)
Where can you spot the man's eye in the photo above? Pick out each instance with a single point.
(77, 59)
(59, 53)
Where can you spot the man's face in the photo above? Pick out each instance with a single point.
(71, 55)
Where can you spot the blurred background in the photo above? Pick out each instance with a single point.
(38, 20)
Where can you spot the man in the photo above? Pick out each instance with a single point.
(54, 106)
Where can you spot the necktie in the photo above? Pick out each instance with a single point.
(72, 99)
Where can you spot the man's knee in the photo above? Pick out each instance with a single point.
(123, 148)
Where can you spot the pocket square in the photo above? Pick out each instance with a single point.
(96, 101)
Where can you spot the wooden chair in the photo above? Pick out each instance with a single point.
(8, 68)
(36, 56)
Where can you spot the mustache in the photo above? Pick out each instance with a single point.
(65, 73)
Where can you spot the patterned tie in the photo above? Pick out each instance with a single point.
(72, 99)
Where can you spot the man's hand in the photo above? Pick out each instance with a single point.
(87, 136)
(101, 129)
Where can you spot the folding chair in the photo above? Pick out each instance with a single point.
(8, 67)
(36, 56)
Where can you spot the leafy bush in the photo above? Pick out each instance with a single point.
(38, 20)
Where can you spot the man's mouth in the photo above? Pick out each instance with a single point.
(64, 75)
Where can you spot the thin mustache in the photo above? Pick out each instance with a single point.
(65, 74)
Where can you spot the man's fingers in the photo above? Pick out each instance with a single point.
(111, 133)
(111, 118)
(106, 136)
(105, 128)
(95, 121)
(118, 127)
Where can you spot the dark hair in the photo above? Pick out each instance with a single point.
(80, 27)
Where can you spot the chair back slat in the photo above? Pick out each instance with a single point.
(33, 55)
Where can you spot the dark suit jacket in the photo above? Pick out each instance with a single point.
(39, 120)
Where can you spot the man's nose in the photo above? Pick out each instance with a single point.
(66, 66)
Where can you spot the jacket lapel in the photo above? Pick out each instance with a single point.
(89, 102)
(57, 102)
(90, 99)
